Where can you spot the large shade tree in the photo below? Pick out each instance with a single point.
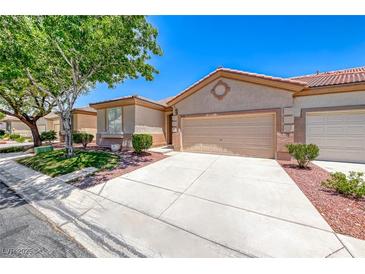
(18, 97)
(71, 54)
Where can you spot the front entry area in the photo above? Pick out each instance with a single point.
(340, 135)
(249, 135)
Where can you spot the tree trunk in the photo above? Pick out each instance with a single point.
(67, 127)
(35, 133)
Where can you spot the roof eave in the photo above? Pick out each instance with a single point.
(339, 88)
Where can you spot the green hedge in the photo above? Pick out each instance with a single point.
(82, 138)
(141, 142)
(14, 149)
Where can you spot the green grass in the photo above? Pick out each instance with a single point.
(55, 163)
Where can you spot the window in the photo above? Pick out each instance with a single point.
(114, 118)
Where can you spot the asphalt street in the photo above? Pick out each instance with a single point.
(24, 232)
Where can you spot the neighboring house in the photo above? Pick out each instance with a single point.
(14, 125)
(83, 120)
(118, 119)
(240, 113)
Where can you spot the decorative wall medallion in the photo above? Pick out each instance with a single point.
(220, 90)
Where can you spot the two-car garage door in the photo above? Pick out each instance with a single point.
(340, 135)
(247, 135)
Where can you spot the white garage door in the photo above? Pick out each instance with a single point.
(246, 135)
(340, 135)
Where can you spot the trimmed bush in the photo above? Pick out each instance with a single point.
(141, 142)
(49, 136)
(14, 136)
(82, 138)
(303, 153)
(352, 185)
(13, 149)
(20, 139)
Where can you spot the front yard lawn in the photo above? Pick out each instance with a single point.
(55, 163)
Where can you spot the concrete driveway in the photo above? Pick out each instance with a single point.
(250, 206)
(340, 166)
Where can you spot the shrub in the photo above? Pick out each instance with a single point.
(2, 132)
(20, 139)
(352, 185)
(303, 153)
(14, 136)
(48, 136)
(141, 142)
(82, 138)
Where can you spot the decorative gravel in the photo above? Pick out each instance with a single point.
(128, 162)
(345, 215)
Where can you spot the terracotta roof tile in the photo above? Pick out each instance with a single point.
(330, 78)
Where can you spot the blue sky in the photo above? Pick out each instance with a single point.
(282, 46)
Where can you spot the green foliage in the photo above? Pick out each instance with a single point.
(48, 136)
(303, 153)
(14, 137)
(351, 185)
(141, 142)
(65, 56)
(13, 149)
(2, 132)
(56, 163)
(82, 138)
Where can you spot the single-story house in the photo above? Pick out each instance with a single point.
(14, 125)
(119, 118)
(239, 113)
(83, 120)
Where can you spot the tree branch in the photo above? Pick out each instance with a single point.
(62, 53)
(34, 83)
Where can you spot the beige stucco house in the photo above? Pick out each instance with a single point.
(14, 125)
(118, 119)
(83, 120)
(240, 113)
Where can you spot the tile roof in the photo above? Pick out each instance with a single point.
(130, 97)
(330, 78)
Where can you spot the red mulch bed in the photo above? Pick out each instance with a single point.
(345, 215)
(129, 161)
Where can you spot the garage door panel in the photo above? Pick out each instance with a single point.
(214, 131)
(233, 135)
(340, 135)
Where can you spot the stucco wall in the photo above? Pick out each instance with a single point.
(85, 123)
(129, 119)
(242, 96)
(328, 100)
(149, 120)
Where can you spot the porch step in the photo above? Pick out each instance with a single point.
(163, 149)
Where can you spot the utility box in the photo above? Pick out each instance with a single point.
(43, 149)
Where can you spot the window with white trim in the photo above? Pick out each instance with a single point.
(114, 119)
